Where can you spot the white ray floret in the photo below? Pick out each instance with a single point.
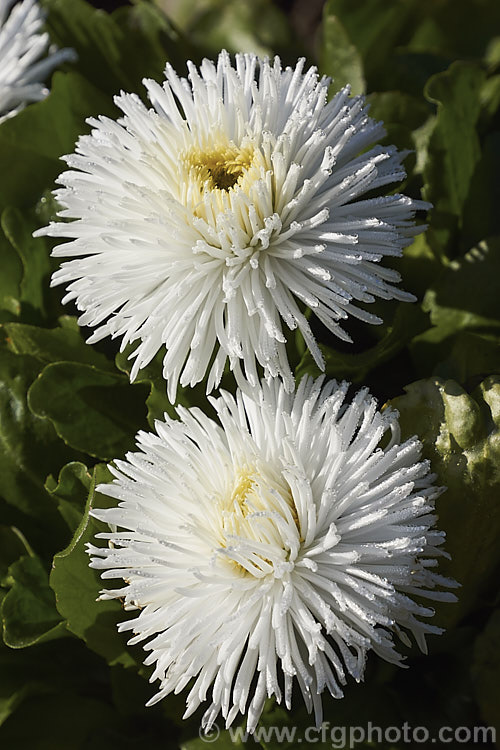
(207, 222)
(279, 545)
(24, 64)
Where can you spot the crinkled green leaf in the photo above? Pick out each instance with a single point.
(77, 587)
(485, 671)
(29, 614)
(339, 57)
(460, 435)
(454, 149)
(92, 410)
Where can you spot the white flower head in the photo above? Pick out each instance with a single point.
(205, 223)
(23, 65)
(282, 545)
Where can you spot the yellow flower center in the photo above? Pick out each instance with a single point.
(250, 512)
(221, 167)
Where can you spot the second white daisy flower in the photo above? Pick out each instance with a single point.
(279, 546)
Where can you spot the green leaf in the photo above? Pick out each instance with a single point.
(404, 42)
(10, 700)
(485, 670)
(109, 46)
(29, 614)
(421, 139)
(34, 256)
(97, 39)
(460, 435)
(419, 267)
(32, 141)
(481, 218)
(401, 114)
(12, 545)
(454, 149)
(152, 377)
(471, 358)
(54, 345)
(10, 278)
(455, 28)
(45, 674)
(374, 26)
(77, 587)
(93, 411)
(152, 38)
(339, 57)
(157, 401)
(239, 26)
(70, 491)
(17, 682)
(490, 97)
(29, 450)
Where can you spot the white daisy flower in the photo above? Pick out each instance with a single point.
(22, 45)
(281, 545)
(204, 223)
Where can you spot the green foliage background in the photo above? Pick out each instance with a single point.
(431, 71)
